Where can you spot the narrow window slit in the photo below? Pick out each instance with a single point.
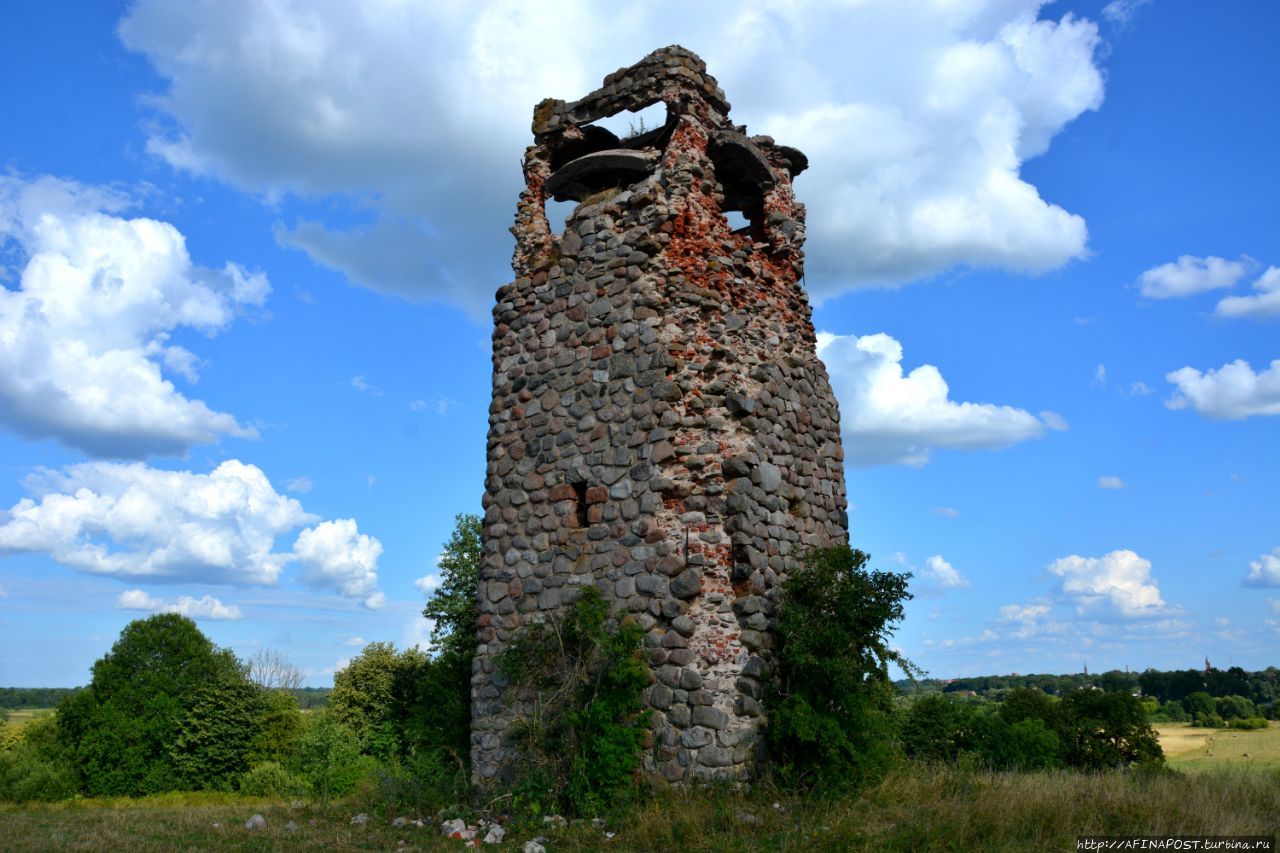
(580, 490)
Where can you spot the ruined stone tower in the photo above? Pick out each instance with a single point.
(661, 426)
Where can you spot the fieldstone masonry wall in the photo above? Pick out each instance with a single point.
(661, 426)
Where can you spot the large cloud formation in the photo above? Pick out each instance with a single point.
(85, 340)
(131, 521)
(917, 117)
(888, 417)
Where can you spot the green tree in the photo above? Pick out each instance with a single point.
(120, 730)
(438, 724)
(374, 697)
(1029, 745)
(277, 729)
(830, 706)
(1199, 704)
(452, 607)
(1234, 708)
(1101, 730)
(328, 759)
(932, 729)
(1028, 703)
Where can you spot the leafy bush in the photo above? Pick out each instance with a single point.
(424, 783)
(269, 779)
(1170, 712)
(1249, 723)
(830, 722)
(1209, 721)
(932, 729)
(1031, 745)
(328, 760)
(580, 681)
(1234, 707)
(24, 775)
(1087, 728)
(936, 728)
(33, 766)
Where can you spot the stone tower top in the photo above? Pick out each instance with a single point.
(671, 74)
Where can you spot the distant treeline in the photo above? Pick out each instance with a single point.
(1262, 687)
(312, 697)
(21, 698)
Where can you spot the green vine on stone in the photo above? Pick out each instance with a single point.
(579, 680)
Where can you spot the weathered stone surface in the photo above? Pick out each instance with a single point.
(661, 428)
(687, 584)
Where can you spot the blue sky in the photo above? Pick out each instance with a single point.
(248, 252)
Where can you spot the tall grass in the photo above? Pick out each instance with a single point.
(927, 807)
(916, 807)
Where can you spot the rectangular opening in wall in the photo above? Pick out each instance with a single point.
(630, 124)
(580, 491)
(738, 221)
(558, 213)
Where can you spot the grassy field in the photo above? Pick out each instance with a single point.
(916, 808)
(1196, 750)
(26, 715)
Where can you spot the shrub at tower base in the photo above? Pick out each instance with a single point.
(581, 677)
(830, 708)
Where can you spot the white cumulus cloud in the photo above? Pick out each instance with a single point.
(942, 574)
(1190, 275)
(129, 520)
(1119, 582)
(1231, 392)
(1264, 571)
(417, 111)
(204, 607)
(1109, 482)
(1264, 304)
(87, 338)
(891, 417)
(336, 555)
